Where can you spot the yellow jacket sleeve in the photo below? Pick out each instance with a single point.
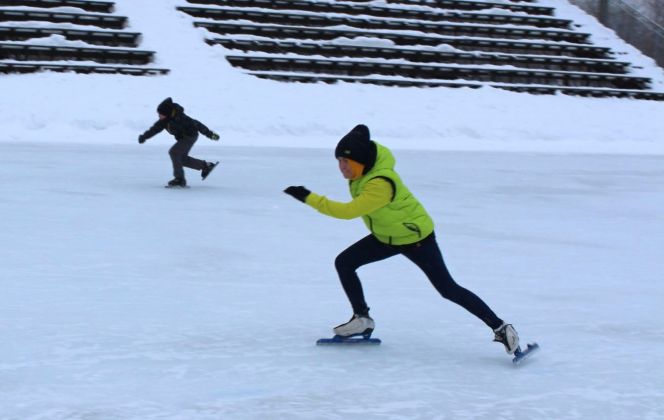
(375, 194)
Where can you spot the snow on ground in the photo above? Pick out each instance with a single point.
(120, 299)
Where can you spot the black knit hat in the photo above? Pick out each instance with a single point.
(165, 107)
(357, 145)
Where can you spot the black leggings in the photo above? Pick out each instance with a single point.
(426, 255)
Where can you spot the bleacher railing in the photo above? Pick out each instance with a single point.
(631, 24)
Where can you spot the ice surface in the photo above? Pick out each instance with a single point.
(122, 299)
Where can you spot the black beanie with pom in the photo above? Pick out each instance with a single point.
(357, 145)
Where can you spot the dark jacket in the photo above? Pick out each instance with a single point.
(180, 125)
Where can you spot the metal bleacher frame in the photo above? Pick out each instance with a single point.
(20, 57)
(87, 5)
(21, 52)
(85, 69)
(425, 55)
(108, 38)
(470, 44)
(391, 12)
(400, 82)
(437, 71)
(469, 5)
(466, 5)
(440, 28)
(98, 20)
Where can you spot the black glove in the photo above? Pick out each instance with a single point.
(299, 192)
(214, 136)
(141, 139)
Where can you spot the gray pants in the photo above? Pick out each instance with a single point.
(179, 153)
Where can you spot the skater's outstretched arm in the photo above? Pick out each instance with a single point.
(202, 128)
(156, 128)
(376, 194)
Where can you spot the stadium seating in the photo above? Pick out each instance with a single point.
(232, 30)
(107, 38)
(468, 5)
(427, 55)
(87, 5)
(111, 46)
(441, 28)
(515, 45)
(100, 21)
(382, 11)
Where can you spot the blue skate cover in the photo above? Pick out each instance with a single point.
(521, 355)
(348, 341)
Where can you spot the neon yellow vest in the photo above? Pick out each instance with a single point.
(404, 220)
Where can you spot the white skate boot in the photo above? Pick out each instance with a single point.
(358, 325)
(507, 335)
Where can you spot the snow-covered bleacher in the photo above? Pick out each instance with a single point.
(514, 45)
(45, 35)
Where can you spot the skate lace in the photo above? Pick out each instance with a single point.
(500, 337)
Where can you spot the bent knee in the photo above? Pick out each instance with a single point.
(344, 263)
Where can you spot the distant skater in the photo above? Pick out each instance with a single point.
(185, 130)
(399, 224)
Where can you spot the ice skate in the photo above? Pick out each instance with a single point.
(358, 325)
(209, 167)
(177, 183)
(506, 334)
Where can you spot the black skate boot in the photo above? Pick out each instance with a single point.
(209, 167)
(506, 334)
(177, 183)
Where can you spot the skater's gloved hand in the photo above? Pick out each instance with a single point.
(299, 192)
(214, 136)
(141, 139)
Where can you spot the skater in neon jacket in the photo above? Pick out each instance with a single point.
(398, 223)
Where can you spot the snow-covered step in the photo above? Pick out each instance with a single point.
(428, 13)
(33, 67)
(95, 37)
(412, 38)
(365, 67)
(87, 5)
(98, 20)
(424, 55)
(24, 52)
(407, 82)
(531, 9)
(440, 28)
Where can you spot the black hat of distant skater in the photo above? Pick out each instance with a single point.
(357, 145)
(165, 107)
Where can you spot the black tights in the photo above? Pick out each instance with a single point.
(426, 255)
